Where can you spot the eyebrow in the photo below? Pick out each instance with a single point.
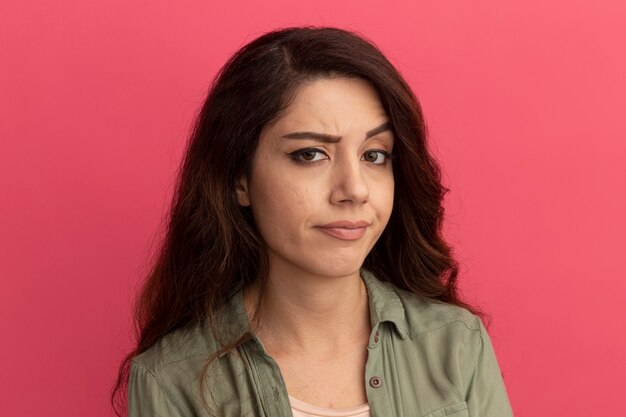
(323, 137)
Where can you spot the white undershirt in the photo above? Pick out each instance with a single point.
(302, 409)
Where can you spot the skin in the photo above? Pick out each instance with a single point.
(315, 308)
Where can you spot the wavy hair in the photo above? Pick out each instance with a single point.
(211, 247)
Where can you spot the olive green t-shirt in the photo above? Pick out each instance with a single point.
(425, 359)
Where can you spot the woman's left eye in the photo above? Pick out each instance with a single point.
(376, 157)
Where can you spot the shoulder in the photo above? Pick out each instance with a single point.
(414, 314)
(165, 379)
(186, 349)
(426, 315)
(440, 330)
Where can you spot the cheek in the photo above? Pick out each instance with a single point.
(384, 197)
(280, 204)
(390, 194)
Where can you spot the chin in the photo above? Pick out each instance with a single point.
(333, 266)
(328, 261)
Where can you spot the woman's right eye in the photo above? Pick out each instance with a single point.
(308, 155)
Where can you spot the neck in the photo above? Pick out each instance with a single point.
(302, 312)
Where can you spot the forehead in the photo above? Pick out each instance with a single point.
(336, 106)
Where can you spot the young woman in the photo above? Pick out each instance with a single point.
(303, 271)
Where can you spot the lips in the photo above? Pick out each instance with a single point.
(345, 230)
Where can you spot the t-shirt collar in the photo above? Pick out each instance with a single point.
(384, 302)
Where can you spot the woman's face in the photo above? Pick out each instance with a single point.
(321, 186)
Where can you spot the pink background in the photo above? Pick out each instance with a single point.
(525, 103)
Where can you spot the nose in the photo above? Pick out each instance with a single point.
(349, 183)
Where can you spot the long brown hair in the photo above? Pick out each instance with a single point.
(211, 247)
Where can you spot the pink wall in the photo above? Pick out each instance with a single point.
(525, 102)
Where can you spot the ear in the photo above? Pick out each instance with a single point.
(241, 189)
